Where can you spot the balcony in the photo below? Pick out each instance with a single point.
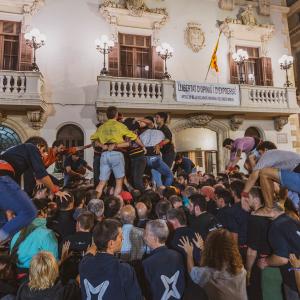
(21, 91)
(132, 95)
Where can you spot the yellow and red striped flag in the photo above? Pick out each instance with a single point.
(214, 59)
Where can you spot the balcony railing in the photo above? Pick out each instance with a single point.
(161, 94)
(21, 89)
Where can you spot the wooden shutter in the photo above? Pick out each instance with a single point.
(25, 55)
(233, 70)
(157, 65)
(113, 61)
(265, 71)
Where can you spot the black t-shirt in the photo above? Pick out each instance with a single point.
(284, 238)
(74, 164)
(79, 241)
(257, 234)
(168, 135)
(224, 216)
(25, 157)
(240, 220)
(212, 207)
(203, 223)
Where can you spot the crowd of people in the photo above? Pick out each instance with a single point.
(149, 225)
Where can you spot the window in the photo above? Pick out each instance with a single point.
(8, 138)
(14, 53)
(257, 70)
(199, 158)
(133, 56)
(71, 135)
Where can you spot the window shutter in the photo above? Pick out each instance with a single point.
(25, 55)
(234, 79)
(265, 70)
(157, 65)
(113, 61)
(1, 51)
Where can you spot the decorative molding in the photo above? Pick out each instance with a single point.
(3, 117)
(226, 4)
(264, 7)
(133, 14)
(34, 7)
(101, 116)
(194, 37)
(280, 122)
(197, 121)
(36, 119)
(236, 121)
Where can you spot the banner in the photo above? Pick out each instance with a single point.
(208, 93)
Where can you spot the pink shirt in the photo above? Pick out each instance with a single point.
(245, 144)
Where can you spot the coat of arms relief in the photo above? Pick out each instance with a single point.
(194, 37)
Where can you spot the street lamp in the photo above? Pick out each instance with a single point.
(35, 40)
(165, 51)
(104, 46)
(239, 58)
(285, 63)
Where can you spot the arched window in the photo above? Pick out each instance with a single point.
(71, 135)
(8, 138)
(253, 132)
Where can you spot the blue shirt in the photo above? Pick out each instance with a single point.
(165, 275)
(103, 276)
(74, 164)
(41, 239)
(186, 165)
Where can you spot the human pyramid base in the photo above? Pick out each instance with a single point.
(149, 224)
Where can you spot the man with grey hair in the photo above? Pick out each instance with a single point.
(133, 246)
(96, 206)
(164, 268)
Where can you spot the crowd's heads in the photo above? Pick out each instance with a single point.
(176, 217)
(156, 233)
(227, 143)
(254, 201)
(43, 271)
(132, 124)
(161, 209)
(112, 206)
(208, 192)
(8, 269)
(41, 206)
(176, 201)
(85, 221)
(79, 198)
(107, 236)
(189, 191)
(223, 197)
(142, 210)
(67, 203)
(221, 251)
(58, 146)
(198, 204)
(178, 158)
(112, 112)
(161, 118)
(265, 146)
(169, 191)
(237, 187)
(96, 206)
(127, 214)
(41, 192)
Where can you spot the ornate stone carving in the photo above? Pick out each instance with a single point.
(36, 119)
(264, 7)
(194, 37)
(101, 116)
(247, 17)
(199, 120)
(226, 4)
(280, 122)
(28, 11)
(3, 117)
(236, 121)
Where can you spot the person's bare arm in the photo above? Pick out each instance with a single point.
(276, 261)
(251, 257)
(295, 262)
(71, 172)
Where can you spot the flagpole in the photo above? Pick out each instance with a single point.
(212, 57)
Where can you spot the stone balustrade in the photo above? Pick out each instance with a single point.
(21, 90)
(161, 94)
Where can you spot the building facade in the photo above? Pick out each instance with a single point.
(69, 95)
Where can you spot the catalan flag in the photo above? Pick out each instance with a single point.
(214, 60)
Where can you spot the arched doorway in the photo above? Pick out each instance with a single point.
(253, 132)
(8, 138)
(71, 135)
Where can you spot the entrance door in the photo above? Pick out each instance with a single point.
(211, 162)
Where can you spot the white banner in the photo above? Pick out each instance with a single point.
(208, 93)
